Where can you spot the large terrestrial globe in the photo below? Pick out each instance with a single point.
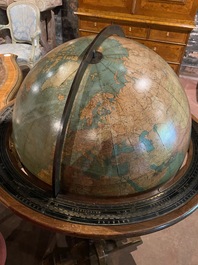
(129, 126)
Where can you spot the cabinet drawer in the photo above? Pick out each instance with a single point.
(134, 32)
(169, 52)
(168, 36)
(93, 25)
(86, 33)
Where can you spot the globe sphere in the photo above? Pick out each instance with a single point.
(129, 128)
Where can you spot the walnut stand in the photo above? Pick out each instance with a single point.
(90, 252)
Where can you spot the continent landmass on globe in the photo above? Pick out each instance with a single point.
(128, 130)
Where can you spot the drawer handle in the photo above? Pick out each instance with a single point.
(167, 34)
(130, 29)
(155, 49)
(95, 24)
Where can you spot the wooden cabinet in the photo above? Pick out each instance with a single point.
(107, 5)
(93, 25)
(181, 9)
(162, 25)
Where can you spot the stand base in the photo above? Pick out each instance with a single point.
(88, 252)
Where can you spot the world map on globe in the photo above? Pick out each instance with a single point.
(129, 128)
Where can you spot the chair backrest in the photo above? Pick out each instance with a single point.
(24, 21)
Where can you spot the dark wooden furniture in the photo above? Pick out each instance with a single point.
(162, 25)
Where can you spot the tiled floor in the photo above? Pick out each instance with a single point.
(176, 245)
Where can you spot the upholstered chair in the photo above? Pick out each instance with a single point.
(24, 26)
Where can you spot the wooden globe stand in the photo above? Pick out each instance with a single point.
(103, 252)
(90, 252)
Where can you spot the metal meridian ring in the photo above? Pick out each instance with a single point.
(87, 59)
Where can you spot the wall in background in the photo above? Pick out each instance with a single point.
(190, 61)
(66, 21)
